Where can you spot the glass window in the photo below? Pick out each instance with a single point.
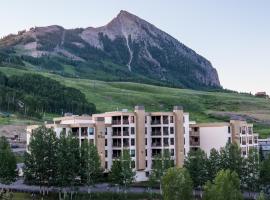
(91, 131)
(132, 153)
(171, 119)
(132, 142)
(172, 141)
(132, 130)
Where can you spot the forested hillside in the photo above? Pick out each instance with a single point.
(32, 95)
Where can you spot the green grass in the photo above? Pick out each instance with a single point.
(96, 196)
(202, 106)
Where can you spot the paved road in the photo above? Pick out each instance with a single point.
(105, 187)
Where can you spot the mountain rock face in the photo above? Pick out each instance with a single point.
(127, 48)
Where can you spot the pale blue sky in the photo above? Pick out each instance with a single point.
(233, 34)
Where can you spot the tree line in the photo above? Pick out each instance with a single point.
(33, 95)
(63, 162)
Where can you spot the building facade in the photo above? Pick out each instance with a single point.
(147, 134)
(264, 146)
(144, 134)
(216, 135)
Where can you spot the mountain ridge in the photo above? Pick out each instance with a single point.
(126, 41)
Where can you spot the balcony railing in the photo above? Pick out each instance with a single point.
(116, 145)
(125, 133)
(116, 122)
(156, 144)
(116, 133)
(125, 121)
(155, 122)
(156, 133)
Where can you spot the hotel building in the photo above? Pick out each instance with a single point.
(144, 134)
(147, 134)
(216, 135)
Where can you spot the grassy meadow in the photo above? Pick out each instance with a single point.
(202, 106)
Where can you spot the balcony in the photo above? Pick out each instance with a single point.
(155, 120)
(156, 142)
(116, 143)
(156, 133)
(194, 141)
(75, 132)
(125, 120)
(116, 131)
(165, 120)
(116, 120)
(125, 142)
(125, 131)
(84, 131)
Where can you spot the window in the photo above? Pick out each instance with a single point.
(91, 131)
(145, 119)
(171, 130)
(165, 142)
(125, 131)
(132, 119)
(133, 164)
(145, 130)
(171, 119)
(106, 131)
(165, 120)
(147, 174)
(105, 142)
(132, 153)
(229, 129)
(172, 152)
(132, 142)
(91, 141)
(145, 141)
(106, 165)
(132, 131)
(106, 153)
(146, 153)
(146, 164)
(172, 141)
(165, 131)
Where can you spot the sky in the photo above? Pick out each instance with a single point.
(233, 34)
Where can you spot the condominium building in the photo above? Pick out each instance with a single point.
(144, 134)
(147, 134)
(216, 135)
(264, 145)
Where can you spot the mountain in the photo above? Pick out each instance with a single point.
(126, 49)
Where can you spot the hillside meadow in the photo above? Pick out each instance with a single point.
(203, 106)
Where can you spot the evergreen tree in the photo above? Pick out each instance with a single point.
(196, 164)
(8, 167)
(226, 186)
(177, 184)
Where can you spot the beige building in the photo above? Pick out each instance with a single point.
(144, 134)
(216, 135)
